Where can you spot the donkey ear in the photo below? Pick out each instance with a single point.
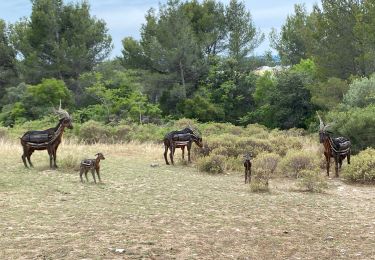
(97, 154)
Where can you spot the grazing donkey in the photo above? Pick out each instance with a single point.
(180, 139)
(338, 148)
(49, 139)
(93, 165)
(247, 165)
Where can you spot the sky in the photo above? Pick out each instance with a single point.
(125, 17)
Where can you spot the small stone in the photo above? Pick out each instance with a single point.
(329, 238)
(119, 250)
(154, 165)
(286, 232)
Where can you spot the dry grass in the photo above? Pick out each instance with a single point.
(171, 212)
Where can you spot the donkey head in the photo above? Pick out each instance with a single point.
(100, 156)
(65, 118)
(197, 136)
(247, 156)
(323, 133)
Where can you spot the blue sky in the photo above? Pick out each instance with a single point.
(125, 17)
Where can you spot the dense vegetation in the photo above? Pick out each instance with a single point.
(194, 59)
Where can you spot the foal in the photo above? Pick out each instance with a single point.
(247, 165)
(93, 165)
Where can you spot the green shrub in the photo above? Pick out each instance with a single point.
(296, 161)
(362, 167)
(282, 143)
(254, 145)
(123, 133)
(256, 129)
(266, 163)
(94, 132)
(258, 184)
(263, 168)
(3, 132)
(234, 164)
(213, 164)
(357, 124)
(312, 181)
(70, 162)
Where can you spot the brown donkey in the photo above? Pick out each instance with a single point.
(338, 148)
(49, 139)
(93, 165)
(247, 165)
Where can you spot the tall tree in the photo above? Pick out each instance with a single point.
(364, 31)
(60, 40)
(7, 60)
(334, 46)
(243, 37)
(208, 22)
(291, 43)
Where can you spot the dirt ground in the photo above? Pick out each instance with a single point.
(172, 212)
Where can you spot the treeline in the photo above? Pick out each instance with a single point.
(194, 59)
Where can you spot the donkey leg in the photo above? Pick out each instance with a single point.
(24, 160)
(81, 173)
(171, 154)
(28, 159)
(188, 149)
(98, 172)
(183, 152)
(348, 158)
(50, 157)
(86, 175)
(245, 176)
(328, 162)
(93, 174)
(337, 166)
(165, 154)
(54, 158)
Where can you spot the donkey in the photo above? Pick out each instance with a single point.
(48, 139)
(247, 165)
(338, 148)
(180, 139)
(93, 165)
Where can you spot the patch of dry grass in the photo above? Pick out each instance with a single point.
(169, 212)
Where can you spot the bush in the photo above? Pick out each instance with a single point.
(3, 132)
(94, 132)
(123, 133)
(213, 164)
(362, 167)
(266, 163)
(282, 143)
(361, 93)
(312, 181)
(357, 124)
(296, 161)
(259, 184)
(70, 162)
(263, 168)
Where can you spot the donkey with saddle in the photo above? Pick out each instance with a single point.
(180, 139)
(338, 148)
(48, 139)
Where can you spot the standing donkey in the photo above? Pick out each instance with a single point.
(180, 139)
(247, 165)
(93, 165)
(338, 147)
(49, 139)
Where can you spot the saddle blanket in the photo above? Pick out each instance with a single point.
(181, 142)
(37, 138)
